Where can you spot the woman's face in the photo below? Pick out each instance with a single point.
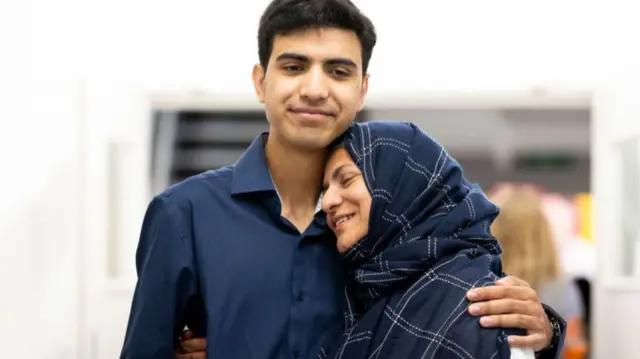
(346, 200)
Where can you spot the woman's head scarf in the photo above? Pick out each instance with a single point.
(428, 243)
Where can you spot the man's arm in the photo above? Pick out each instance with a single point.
(166, 280)
(512, 303)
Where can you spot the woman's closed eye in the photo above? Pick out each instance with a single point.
(347, 180)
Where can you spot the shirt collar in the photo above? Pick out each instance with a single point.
(251, 173)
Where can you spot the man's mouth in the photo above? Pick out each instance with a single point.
(311, 111)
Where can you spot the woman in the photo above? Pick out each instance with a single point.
(530, 253)
(415, 238)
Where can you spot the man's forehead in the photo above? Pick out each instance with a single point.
(319, 44)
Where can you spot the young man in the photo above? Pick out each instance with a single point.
(245, 248)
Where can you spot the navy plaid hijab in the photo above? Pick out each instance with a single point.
(428, 243)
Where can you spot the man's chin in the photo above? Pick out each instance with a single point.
(312, 144)
(313, 140)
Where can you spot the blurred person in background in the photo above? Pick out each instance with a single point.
(243, 254)
(530, 253)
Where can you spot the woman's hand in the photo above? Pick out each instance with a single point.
(512, 303)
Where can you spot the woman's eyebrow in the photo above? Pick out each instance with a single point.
(337, 171)
(335, 174)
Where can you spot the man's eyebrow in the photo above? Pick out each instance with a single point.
(341, 61)
(292, 56)
(344, 61)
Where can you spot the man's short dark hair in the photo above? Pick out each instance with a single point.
(284, 16)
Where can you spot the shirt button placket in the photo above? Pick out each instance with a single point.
(297, 310)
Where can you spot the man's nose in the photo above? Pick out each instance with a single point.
(315, 86)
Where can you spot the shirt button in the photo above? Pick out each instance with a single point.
(296, 353)
(301, 297)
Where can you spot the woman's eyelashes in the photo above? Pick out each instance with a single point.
(347, 180)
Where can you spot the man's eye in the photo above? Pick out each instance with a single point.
(340, 73)
(292, 68)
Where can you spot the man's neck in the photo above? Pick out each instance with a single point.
(297, 176)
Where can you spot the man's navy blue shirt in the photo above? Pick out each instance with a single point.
(215, 253)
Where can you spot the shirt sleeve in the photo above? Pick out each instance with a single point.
(166, 282)
(522, 353)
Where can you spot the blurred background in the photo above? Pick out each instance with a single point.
(105, 103)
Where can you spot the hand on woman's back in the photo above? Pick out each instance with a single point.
(191, 347)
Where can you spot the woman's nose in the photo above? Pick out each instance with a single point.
(330, 200)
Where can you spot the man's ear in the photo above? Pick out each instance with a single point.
(363, 90)
(258, 81)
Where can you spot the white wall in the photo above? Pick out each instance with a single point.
(39, 218)
(40, 200)
(617, 318)
(100, 62)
